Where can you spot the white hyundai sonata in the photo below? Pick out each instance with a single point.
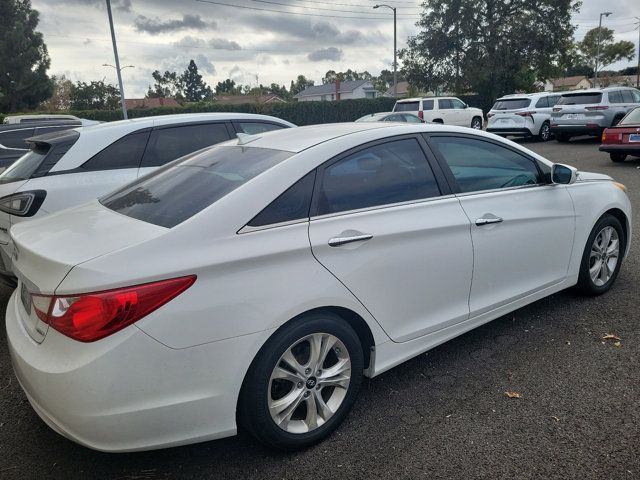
(256, 282)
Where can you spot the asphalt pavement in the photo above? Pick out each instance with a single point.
(442, 415)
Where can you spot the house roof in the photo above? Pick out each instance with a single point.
(403, 87)
(242, 99)
(329, 88)
(568, 81)
(151, 102)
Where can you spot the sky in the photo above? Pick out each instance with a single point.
(249, 45)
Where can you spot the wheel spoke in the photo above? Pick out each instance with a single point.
(327, 345)
(337, 376)
(282, 409)
(613, 247)
(290, 359)
(323, 409)
(284, 374)
(595, 269)
(312, 413)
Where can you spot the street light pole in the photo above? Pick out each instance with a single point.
(638, 70)
(115, 53)
(595, 74)
(395, 50)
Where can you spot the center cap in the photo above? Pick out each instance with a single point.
(311, 382)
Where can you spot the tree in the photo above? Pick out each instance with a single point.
(331, 76)
(610, 51)
(195, 89)
(167, 85)
(487, 46)
(24, 58)
(61, 97)
(300, 84)
(228, 87)
(96, 95)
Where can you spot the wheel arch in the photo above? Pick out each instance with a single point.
(624, 221)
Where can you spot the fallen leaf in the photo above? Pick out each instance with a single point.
(512, 394)
(617, 344)
(555, 418)
(568, 342)
(610, 336)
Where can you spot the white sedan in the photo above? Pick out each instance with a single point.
(259, 280)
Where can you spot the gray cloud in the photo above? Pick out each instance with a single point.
(331, 53)
(223, 44)
(156, 26)
(204, 64)
(188, 42)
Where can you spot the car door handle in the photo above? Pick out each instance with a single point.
(486, 220)
(337, 241)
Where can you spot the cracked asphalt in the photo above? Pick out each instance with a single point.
(442, 415)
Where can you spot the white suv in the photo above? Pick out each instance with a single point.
(446, 110)
(68, 168)
(524, 115)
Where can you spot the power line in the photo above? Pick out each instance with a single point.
(379, 15)
(360, 4)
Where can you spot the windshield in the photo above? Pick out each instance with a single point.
(23, 168)
(512, 104)
(406, 107)
(173, 194)
(580, 98)
(632, 118)
(374, 117)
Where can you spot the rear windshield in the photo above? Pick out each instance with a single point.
(181, 189)
(406, 107)
(632, 118)
(23, 168)
(580, 98)
(512, 104)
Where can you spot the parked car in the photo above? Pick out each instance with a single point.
(260, 279)
(446, 110)
(391, 117)
(45, 117)
(13, 137)
(68, 168)
(624, 138)
(589, 112)
(526, 115)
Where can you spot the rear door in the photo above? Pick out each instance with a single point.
(445, 111)
(393, 235)
(461, 115)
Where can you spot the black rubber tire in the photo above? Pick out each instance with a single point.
(585, 284)
(563, 137)
(476, 121)
(545, 132)
(253, 413)
(617, 157)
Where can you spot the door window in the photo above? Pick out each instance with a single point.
(478, 165)
(254, 128)
(383, 174)
(445, 104)
(626, 96)
(167, 144)
(427, 104)
(123, 153)
(395, 118)
(457, 104)
(543, 102)
(636, 96)
(412, 119)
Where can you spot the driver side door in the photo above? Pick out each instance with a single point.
(522, 227)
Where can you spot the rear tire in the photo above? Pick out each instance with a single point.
(289, 400)
(617, 157)
(563, 137)
(545, 132)
(602, 256)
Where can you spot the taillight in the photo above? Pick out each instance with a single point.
(557, 109)
(88, 317)
(599, 107)
(489, 115)
(420, 113)
(526, 114)
(23, 204)
(604, 136)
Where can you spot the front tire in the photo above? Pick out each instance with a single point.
(303, 382)
(602, 256)
(617, 157)
(476, 123)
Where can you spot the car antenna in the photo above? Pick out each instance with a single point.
(244, 138)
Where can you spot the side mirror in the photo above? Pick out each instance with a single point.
(563, 174)
(465, 105)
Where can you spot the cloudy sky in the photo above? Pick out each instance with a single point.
(240, 39)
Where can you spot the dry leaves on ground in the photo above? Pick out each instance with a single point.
(512, 394)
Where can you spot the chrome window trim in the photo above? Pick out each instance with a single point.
(250, 229)
(505, 189)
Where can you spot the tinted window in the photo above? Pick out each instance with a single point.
(167, 144)
(253, 128)
(15, 138)
(445, 104)
(626, 96)
(293, 204)
(178, 191)
(553, 100)
(427, 104)
(632, 118)
(395, 118)
(512, 104)
(383, 174)
(457, 103)
(615, 97)
(542, 102)
(123, 153)
(406, 107)
(580, 98)
(636, 96)
(412, 119)
(479, 165)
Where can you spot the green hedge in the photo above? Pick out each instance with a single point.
(300, 113)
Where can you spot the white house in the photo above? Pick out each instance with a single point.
(347, 90)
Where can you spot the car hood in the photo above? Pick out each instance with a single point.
(590, 176)
(47, 249)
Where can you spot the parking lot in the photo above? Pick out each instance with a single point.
(444, 414)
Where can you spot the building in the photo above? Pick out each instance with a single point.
(577, 82)
(150, 102)
(346, 90)
(616, 80)
(242, 99)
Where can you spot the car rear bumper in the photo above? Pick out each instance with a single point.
(625, 148)
(519, 132)
(587, 129)
(128, 392)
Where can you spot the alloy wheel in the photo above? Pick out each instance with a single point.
(604, 256)
(476, 124)
(545, 132)
(309, 383)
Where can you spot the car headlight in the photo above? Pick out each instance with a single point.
(23, 204)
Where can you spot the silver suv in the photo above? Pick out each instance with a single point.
(589, 112)
(523, 115)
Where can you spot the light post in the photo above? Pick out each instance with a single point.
(395, 50)
(117, 66)
(595, 75)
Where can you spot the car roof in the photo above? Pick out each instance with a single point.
(26, 126)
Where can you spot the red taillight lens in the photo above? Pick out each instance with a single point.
(88, 317)
(556, 109)
(525, 114)
(489, 115)
(421, 114)
(599, 107)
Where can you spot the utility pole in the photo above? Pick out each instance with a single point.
(115, 53)
(638, 70)
(595, 73)
(395, 50)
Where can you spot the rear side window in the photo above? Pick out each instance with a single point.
(615, 96)
(636, 96)
(167, 144)
(16, 138)
(580, 98)
(253, 128)
(292, 205)
(553, 100)
(542, 102)
(406, 107)
(512, 104)
(123, 153)
(478, 165)
(178, 191)
(383, 174)
(427, 104)
(445, 104)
